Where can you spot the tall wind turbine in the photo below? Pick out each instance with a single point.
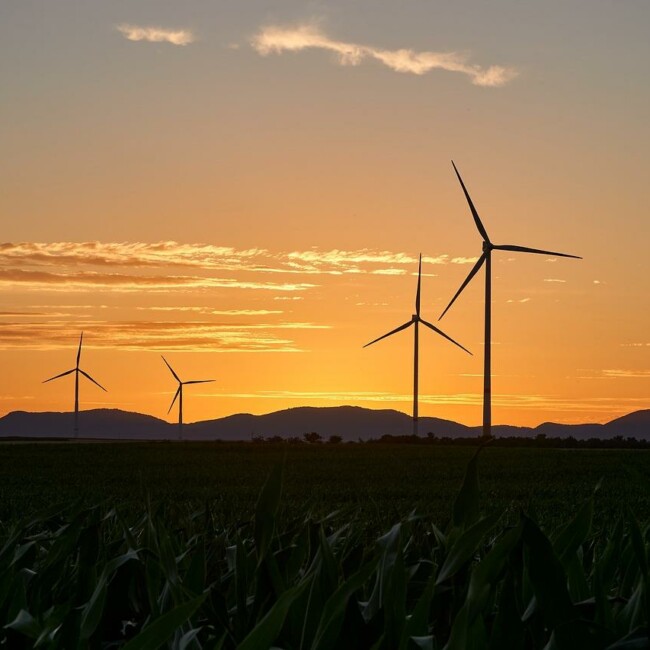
(486, 258)
(179, 396)
(77, 371)
(415, 321)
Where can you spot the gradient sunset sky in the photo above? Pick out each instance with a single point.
(245, 187)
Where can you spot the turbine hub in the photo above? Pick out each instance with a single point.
(415, 318)
(487, 246)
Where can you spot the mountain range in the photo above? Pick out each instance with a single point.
(350, 422)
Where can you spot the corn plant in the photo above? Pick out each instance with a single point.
(74, 577)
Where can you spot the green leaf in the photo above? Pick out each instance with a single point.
(574, 534)
(26, 624)
(268, 629)
(636, 640)
(466, 505)
(266, 510)
(188, 637)
(417, 623)
(465, 547)
(164, 627)
(94, 608)
(331, 620)
(547, 576)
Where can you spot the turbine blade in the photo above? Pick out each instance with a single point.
(63, 374)
(438, 331)
(417, 295)
(171, 369)
(397, 329)
(477, 219)
(471, 274)
(525, 249)
(199, 381)
(81, 338)
(87, 376)
(178, 392)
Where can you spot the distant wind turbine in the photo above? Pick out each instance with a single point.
(416, 320)
(179, 396)
(77, 370)
(486, 258)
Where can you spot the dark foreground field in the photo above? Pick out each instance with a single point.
(212, 546)
(376, 484)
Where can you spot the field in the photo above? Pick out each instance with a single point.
(377, 484)
(194, 546)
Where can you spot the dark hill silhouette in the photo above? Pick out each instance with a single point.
(349, 422)
(95, 423)
(630, 423)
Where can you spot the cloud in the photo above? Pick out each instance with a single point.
(91, 281)
(213, 312)
(627, 374)
(388, 272)
(207, 258)
(155, 335)
(553, 280)
(587, 406)
(612, 373)
(156, 34)
(277, 39)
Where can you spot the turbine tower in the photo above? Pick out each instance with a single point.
(486, 258)
(77, 370)
(415, 321)
(179, 395)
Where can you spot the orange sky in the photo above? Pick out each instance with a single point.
(301, 162)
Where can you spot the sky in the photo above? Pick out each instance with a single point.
(245, 188)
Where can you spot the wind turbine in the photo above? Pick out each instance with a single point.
(486, 258)
(415, 321)
(77, 370)
(179, 395)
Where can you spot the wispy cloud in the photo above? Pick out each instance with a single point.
(605, 405)
(294, 39)
(627, 374)
(207, 258)
(156, 34)
(207, 311)
(612, 373)
(90, 281)
(155, 335)
(553, 280)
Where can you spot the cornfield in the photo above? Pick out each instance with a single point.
(80, 577)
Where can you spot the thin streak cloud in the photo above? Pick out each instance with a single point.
(204, 257)
(156, 335)
(89, 281)
(588, 405)
(156, 34)
(277, 39)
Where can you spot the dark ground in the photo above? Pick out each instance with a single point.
(378, 483)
